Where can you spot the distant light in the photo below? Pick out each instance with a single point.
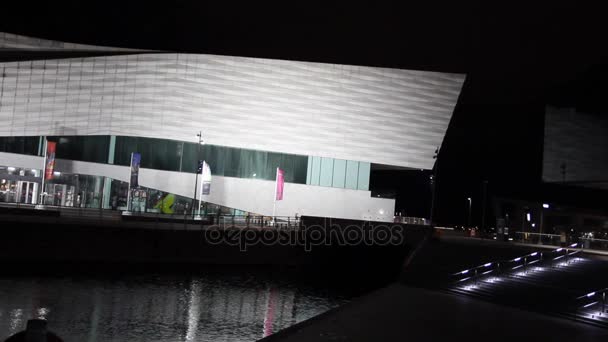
(381, 211)
(10, 168)
(510, 239)
(528, 217)
(488, 264)
(591, 294)
(533, 225)
(574, 245)
(546, 205)
(559, 249)
(34, 170)
(534, 254)
(464, 272)
(469, 198)
(254, 174)
(57, 173)
(516, 259)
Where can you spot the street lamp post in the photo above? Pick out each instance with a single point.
(542, 216)
(198, 163)
(433, 184)
(526, 218)
(470, 202)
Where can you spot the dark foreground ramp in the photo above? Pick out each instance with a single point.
(400, 313)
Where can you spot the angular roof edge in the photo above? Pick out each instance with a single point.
(10, 41)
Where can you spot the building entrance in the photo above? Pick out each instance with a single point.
(15, 191)
(26, 192)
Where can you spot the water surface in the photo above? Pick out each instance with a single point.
(208, 306)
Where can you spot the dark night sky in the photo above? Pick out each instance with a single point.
(516, 58)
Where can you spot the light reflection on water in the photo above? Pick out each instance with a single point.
(212, 307)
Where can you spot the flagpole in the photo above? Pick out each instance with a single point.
(274, 204)
(43, 172)
(129, 188)
(200, 201)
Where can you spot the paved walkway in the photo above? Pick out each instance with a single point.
(400, 313)
(419, 309)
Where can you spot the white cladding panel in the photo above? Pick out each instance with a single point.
(385, 116)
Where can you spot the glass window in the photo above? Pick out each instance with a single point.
(20, 145)
(224, 161)
(274, 160)
(316, 170)
(160, 154)
(299, 169)
(192, 154)
(364, 171)
(232, 159)
(89, 148)
(339, 176)
(352, 174)
(124, 147)
(215, 157)
(327, 171)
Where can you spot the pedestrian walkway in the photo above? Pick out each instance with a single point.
(429, 304)
(401, 313)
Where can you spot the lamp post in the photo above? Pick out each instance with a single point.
(470, 202)
(526, 218)
(198, 169)
(433, 180)
(540, 227)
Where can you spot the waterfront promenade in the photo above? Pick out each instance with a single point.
(401, 313)
(424, 304)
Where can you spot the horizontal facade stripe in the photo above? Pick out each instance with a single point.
(378, 115)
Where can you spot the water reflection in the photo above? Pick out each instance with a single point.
(159, 307)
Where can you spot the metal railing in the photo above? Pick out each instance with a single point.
(258, 221)
(521, 263)
(594, 300)
(56, 214)
(537, 238)
(411, 220)
(592, 243)
(557, 240)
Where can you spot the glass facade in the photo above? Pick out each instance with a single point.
(20, 186)
(338, 173)
(73, 190)
(225, 161)
(93, 148)
(171, 155)
(21, 145)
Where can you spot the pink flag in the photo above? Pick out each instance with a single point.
(280, 184)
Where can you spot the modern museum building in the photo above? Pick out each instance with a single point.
(325, 125)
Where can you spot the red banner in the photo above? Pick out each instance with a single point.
(50, 159)
(280, 184)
